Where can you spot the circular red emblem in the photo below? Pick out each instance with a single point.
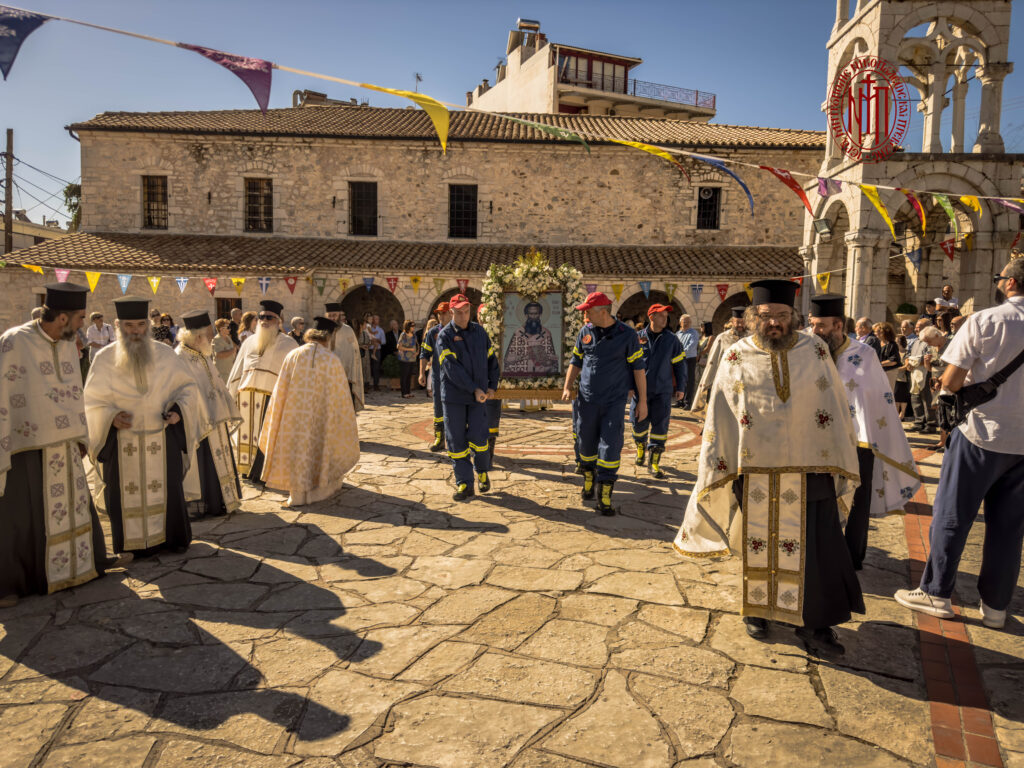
(587, 339)
(868, 109)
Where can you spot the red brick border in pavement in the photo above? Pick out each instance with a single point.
(962, 729)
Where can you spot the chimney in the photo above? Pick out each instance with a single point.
(485, 86)
(469, 98)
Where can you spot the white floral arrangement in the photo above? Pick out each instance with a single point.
(531, 275)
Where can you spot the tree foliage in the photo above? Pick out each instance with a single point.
(73, 202)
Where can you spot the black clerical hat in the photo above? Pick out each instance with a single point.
(66, 297)
(333, 306)
(324, 324)
(739, 311)
(196, 319)
(272, 306)
(131, 308)
(828, 305)
(773, 292)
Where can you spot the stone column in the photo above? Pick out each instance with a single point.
(956, 144)
(933, 105)
(842, 14)
(809, 259)
(866, 274)
(991, 76)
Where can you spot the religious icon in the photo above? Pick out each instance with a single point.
(532, 336)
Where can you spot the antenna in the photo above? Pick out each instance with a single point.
(419, 79)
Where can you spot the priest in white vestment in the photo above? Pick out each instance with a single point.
(776, 476)
(309, 437)
(211, 483)
(346, 347)
(142, 408)
(888, 474)
(252, 380)
(50, 536)
(736, 331)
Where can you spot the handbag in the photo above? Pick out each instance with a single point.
(954, 407)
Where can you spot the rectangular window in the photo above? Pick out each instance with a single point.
(154, 202)
(259, 205)
(708, 199)
(462, 210)
(362, 208)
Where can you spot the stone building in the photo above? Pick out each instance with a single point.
(26, 233)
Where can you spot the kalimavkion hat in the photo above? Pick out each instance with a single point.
(270, 305)
(739, 311)
(67, 297)
(828, 305)
(458, 301)
(655, 308)
(324, 324)
(131, 308)
(333, 306)
(595, 299)
(196, 319)
(773, 292)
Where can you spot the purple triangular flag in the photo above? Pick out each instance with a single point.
(591, 287)
(255, 73)
(1012, 203)
(827, 187)
(15, 26)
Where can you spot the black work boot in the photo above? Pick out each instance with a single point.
(587, 494)
(757, 628)
(655, 463)
(604, 499)
(483, 481)
(820, 642)
(579, 467)
(438, 444)
(641, 453)
(462, 492)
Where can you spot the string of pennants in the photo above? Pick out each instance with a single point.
(17, 24)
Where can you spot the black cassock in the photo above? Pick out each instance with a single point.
(212, 501)
(178, 529)
(23, 529)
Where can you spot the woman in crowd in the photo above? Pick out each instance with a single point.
(163, 332)
(407, 357)
(890, 354)
(901, 387)
(246, 326)
(429, 388)
(224, 348)
(362, 330)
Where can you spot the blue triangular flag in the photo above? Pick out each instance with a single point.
(645, 286)
(696, 290)
(182, 282)
(721, 166)
(123, 281)
(15, 26)
(264, 283)
(915, 258)
(368, 282)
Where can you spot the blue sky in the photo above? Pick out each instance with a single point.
(765, 60)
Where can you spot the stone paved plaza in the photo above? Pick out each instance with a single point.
(391, 626)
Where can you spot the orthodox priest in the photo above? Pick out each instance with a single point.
(252, 381)
(50, 536)
(776, 476)
(142, 408)
(309, 436)
(736, 330)
(888, 475)
(346, 347)
(211, 483)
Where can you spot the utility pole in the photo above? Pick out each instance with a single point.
(9, 193)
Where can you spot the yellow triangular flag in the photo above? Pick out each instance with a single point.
(749, 290)
(823, 279)
(973, 203)
(654, 151)
(33, 268)
(617, 290)
(415, 281)
(435, 109)
(154, 282)
(871, 193)
(238, 282)
(343, 283)
(93, 278)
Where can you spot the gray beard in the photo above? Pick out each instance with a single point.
(775, 345)
(134, 357)
(265, 337)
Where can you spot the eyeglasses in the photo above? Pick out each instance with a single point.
(779, 317)
(997, 278)
(266, 316)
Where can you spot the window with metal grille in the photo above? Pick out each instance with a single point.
(708, 209)
(154, 202)
(259, 205)
(462, 210)
(362, 208)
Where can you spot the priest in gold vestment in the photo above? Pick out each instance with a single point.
(736, 331)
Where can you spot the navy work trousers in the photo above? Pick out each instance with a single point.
(465, 430)
(600, 428)
(653, 430)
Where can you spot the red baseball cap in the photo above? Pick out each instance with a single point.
(595, 299)
(658, 308)
(442, 307)
(481, 310)
(458, 301)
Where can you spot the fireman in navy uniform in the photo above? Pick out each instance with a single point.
(665, 363)
(428, 357)
(469, 376)
(493, 404)
(609, 363)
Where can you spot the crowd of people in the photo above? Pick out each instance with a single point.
(802, 435)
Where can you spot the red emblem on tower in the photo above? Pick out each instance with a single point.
(868, 109)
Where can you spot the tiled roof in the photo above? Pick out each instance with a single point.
(352, 122)
(240, 255)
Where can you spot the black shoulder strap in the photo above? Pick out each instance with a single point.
(1008, 370)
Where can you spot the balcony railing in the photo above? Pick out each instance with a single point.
(631, 87)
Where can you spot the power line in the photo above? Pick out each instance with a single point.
(40, 170)
(40, 202)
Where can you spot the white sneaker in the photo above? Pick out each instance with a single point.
(918, 600)
(990, 617)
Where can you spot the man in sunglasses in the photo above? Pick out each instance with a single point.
(252, 380)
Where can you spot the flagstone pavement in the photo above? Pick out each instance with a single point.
(390, 626)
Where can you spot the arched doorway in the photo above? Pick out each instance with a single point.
(724, 312)
(474, 296)
(635, 308)
(376, 301)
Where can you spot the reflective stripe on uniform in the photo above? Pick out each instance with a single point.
(490, 352)
(576, 351)
(677, 358)
(445, 353)
(494, 430)
(439, 419)
(426, 347)
(634, 356)
(641, 433)
(459, 455)
(658, 437)
(607, 464)
(588, 458)
(479, 448)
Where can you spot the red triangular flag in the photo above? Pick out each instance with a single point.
(949, 246)
(723, 291)
(463, 284)
(787, 178)
(392, 283)
(290, 282)
(255, 73)
(210, 283)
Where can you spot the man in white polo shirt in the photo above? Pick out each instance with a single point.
(984, 462)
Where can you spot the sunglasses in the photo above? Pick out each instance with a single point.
(997, 278)
(266, 316)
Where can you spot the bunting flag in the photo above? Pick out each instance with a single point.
(828, 187)
(949, 246)
(33, 268)
(92, 278)
(437, 112)
(787, 178)
(969, 242)
(154, 283)
(2, 263)
(320, 283)
(392, 283)
(182, 282)
(800, 282)
(916, 205)
(591, 287)
(210, 283)
(553, 130)
(617, 290)
(823, 279)
(943, 200)
(645, 286)
(871, 193)
(15, 26)
(1016, 239)
(463, 284)
(695, 291)
(915, 258)
(438, 284)
(343, 284)
(62, 275)
(749, 290)
(255, 73)
(723, 290)
(715, 162)
(656, 152)
(670, 290)
(368, 282)
(291, 281)
(972, 202)
(1013, 203)
(239, 283)
(123, 281)
(414, 281)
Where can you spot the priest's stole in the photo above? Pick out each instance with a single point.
(252, 404)
(774, 518)
(142, 464)
(70, 559)
(223, 462)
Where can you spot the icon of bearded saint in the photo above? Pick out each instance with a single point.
(531, 351)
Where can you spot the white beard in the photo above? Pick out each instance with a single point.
(133, 357)
(265, 336)
(196, 340)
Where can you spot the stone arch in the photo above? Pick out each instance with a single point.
(637, 304)
(723, 313)
(960, 14)
(473, 294)
(377, 300)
